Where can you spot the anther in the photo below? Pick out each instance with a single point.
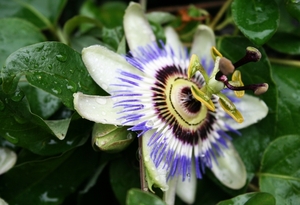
(258, 89)
(226, 66)
(252, 55)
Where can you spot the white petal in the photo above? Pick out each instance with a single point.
(137, 28)
(204, 39)
(172, 40)
(253, 110)
(230, 169)
(158, 175)
(8, 159)
(169, 195)
(104, 66)
(186, 189)
(2, 202)
(96, 108)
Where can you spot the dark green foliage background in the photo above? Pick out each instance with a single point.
(41, 68)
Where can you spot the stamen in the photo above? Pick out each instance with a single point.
(256, 88)
(252, 55)
(225, 66)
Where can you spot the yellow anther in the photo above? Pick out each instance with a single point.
(215, 53)
(237, 81)
(230, 108)
(203, 98)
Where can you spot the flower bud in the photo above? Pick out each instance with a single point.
(111, 138)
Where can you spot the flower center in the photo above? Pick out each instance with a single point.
(174, 101)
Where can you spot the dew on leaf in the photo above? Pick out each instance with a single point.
(61, 57)
(17, 96)
(11, 138)
(72, 86)
(56, 90)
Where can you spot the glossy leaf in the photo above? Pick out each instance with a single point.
(293, 7)
(51, 66)
(136, 196)
(40, 13)
(41, 103)
(250, 199)
(288, 99)
(11, 39)
(280, 173)
(285, 43)
(49, 180)
(21, 127)
(257, 20)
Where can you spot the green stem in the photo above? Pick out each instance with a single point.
(223, 24)
(143, 4)
(220, 13)
(61, 37)
(143, 182)
(285, 62)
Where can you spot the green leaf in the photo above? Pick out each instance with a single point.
(43, 14)
(293, 7)
(255, 138)
(51, 66)
(158, 31)
(77, 21)
(112, 37)
(280, 172)
(48, 180)
(110, 14)
(257, 20)
(250, 199)
(121, 183)
(285, 43)
(288, 99)
(137, 196)
(23, 128)
(11, 39)
(41, 103)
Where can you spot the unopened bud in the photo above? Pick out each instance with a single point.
(261, 89)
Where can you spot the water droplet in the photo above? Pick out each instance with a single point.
(56, 90)
(39, 77)
(17, 96)
(202, 155)
(2, 105)
(40, 48)
(149, 123)
(11, 138)
(61, 57)
(101, 101)
(72, 86)
(129, 136)
(71, 71)
(188, 175)
(49, 66)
